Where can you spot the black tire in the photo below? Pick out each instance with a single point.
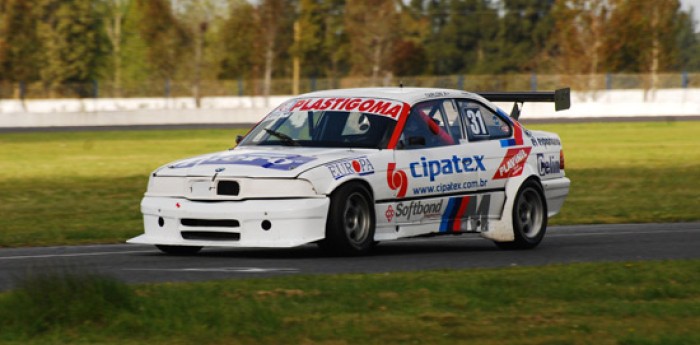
(529, 217)
(179, 250)
(350, 224)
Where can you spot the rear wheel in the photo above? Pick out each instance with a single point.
(179, 250)
(350, 223)
(529, 217)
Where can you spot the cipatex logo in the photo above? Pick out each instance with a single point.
(397, 180)
(448, 166)
(357, 166)
(549, 165)
(513, 163)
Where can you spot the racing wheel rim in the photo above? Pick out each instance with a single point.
(357, 218)
(530, 213)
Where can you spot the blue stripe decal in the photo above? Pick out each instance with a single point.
(507, 142)
(445, 222)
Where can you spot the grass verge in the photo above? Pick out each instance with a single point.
(602, 303)
(85, 187)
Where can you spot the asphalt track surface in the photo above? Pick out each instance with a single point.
(563, 244)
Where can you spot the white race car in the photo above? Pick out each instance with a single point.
(350, 168)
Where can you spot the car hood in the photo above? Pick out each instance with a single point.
(259, 161)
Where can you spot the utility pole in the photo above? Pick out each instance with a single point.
(296, 61)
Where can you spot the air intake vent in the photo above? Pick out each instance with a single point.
(228, 188)
(211, 235)
(214, 223)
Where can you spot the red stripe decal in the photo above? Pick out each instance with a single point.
(460, 213)
(399, 127)
(518, 133)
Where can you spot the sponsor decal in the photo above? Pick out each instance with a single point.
(466, 213)
(448, 166)
(389, 214)
(548, 165)
(437, 94)
(366, 105)
(418, 210)
(264, 160)
(546, 142)
(357, 166)
(451, 187)
(513, 163)
(397, 180)
(185, 164)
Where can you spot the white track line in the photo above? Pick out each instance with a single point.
(73, 255)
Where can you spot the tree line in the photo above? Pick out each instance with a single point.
(129, 42)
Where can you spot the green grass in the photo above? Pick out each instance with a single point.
(630, 172)
(85, 187)
(603, 303)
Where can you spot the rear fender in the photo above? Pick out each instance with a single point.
(502, 230)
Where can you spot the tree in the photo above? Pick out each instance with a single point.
(240, 33)
(201, 18)
(463, 33)
(165, 37)
(580, 32)
(644, 37)
(689, 43)
(19, 42)
(409, 56)
(308, 42)
(335, 39)
(523, 34)
(275, 26)
(69, 31)
(371, 27)
(114, 12)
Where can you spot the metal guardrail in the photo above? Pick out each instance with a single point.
(254, 87)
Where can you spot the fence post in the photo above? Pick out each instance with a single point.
(167, 88)
(460, 82)
(685, 80)
(533, 82)
(313, 84)
(95, 89)
(608, 81)
(22, 90)
(240, 86)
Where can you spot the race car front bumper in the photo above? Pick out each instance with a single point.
(247, 223)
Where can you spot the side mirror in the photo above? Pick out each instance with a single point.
(239, 138)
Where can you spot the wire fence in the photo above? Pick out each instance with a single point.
(255, 87)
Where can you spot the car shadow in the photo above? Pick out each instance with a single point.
(412, 247)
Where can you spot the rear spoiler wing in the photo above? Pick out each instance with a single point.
(561, 99)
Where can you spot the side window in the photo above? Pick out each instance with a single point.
(453, 119)
(427, 126)
(481, 123)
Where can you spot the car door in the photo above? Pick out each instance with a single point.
(436, 165)
(499, 140)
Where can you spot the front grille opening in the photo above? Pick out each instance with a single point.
(211, 235)
(228, 188)
(218, 223)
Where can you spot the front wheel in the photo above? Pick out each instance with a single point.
(179, 250)
(529, 218)
(350, 224)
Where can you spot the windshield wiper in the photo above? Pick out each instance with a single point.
(285, 138)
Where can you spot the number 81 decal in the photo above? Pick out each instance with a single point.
(476, 121)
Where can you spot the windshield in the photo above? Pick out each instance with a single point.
(322, 128)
